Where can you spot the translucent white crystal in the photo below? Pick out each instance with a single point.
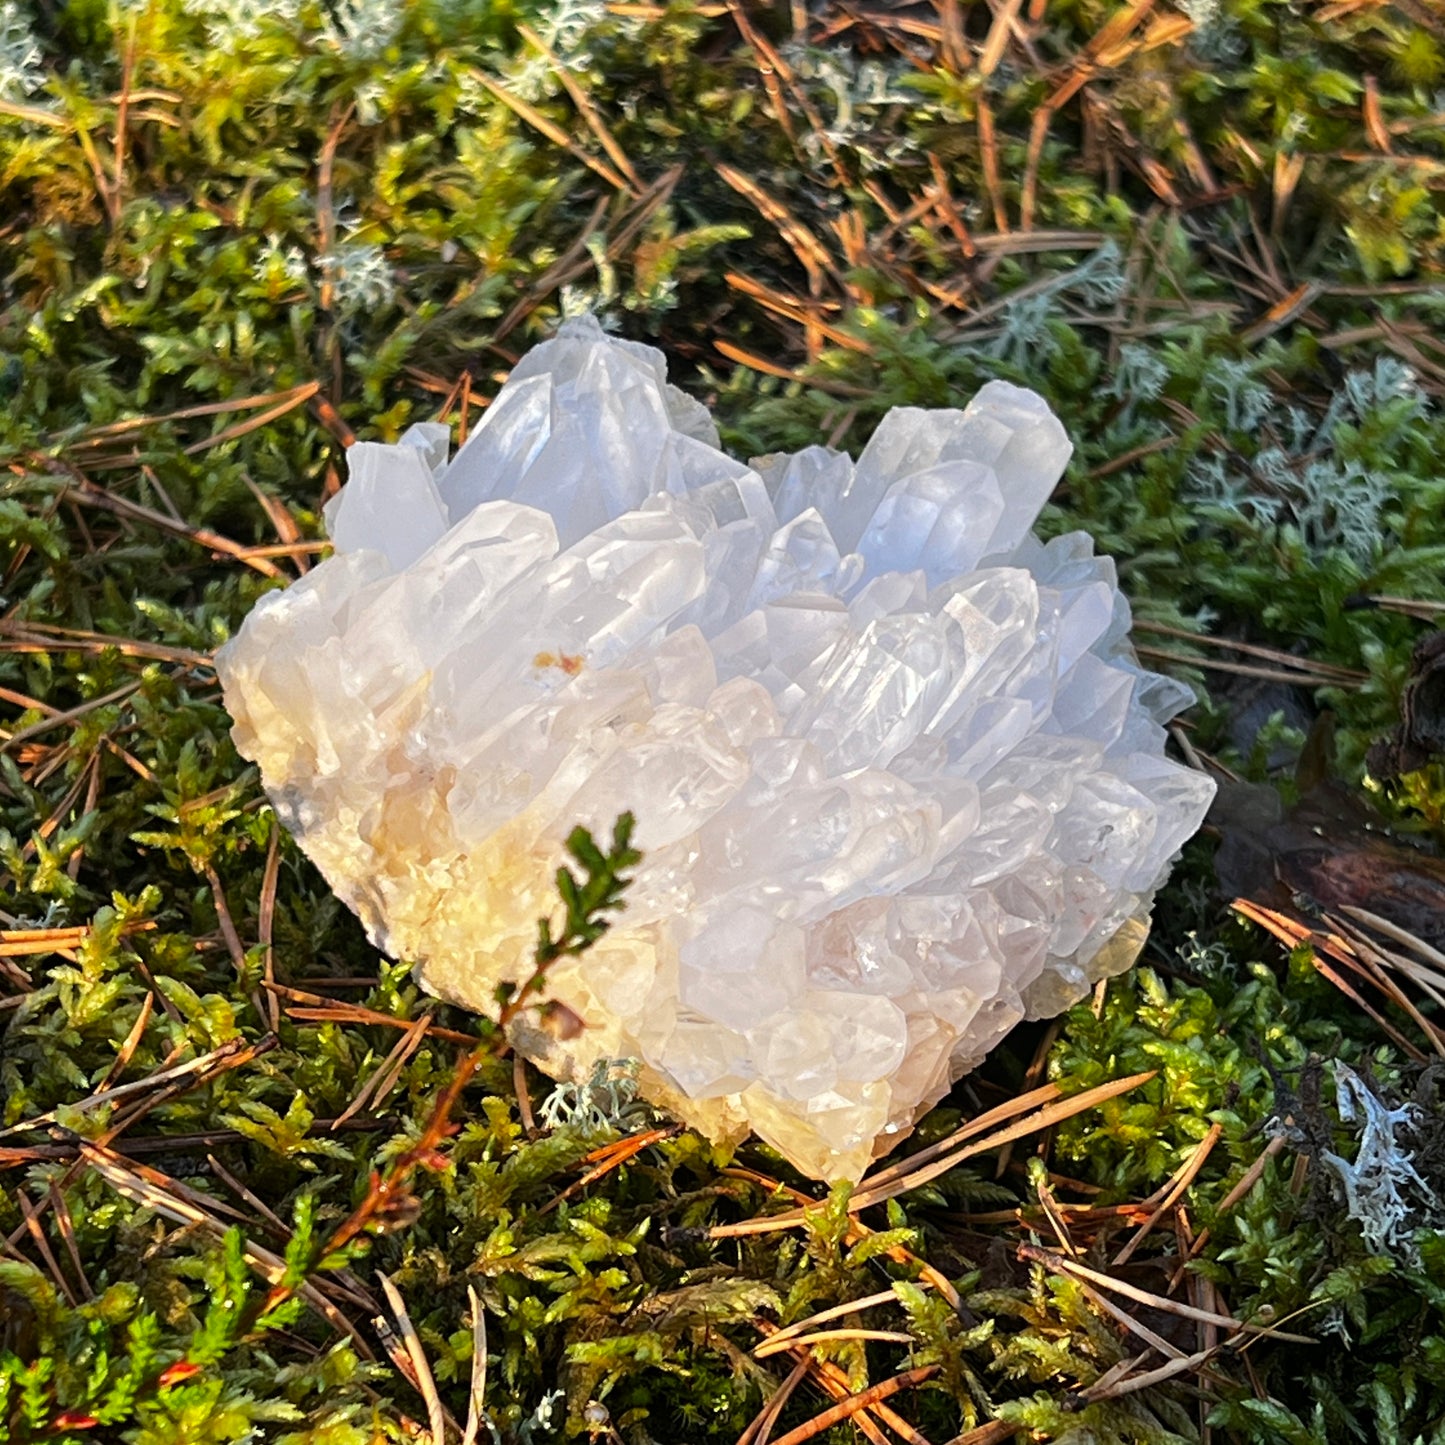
(899, 777)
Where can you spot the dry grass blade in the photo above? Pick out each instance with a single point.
(761, 1430)
(1285, 660)
(1381, 964)
(1038, 134)
(85, 782)
(810, 251)
(1035, 243)
(1079, 1216)
(244, 1194)
(999, 32)
(992, 1433)
(298, 397)
(29, 942)
(1130, 1384)
(42, 1244)
(830, 1377)
(772, 67)
(793, 309)
(773, 1346)
(234, 945)
(31, 636)
(988, 153)
(329, 1011)
(588, 111)
(1051, 1114)
(771, 368)
(1288, 170)
(857, 1306)
(129, 1044)
(226, 1055)
(1119, 1369)
(1110, 46)
(928, 1164)
(115, 194)
(550, 129)
(1055, 1218)
(573, 262)
(243, 1053)
(169, 1145)
(1105, 43)
(1302, 678)
(1183, 1178)
(576, 260)
(1359, 1000)
(477, 1392)
(326, 209)
(266, 923)
(384, 1076)
(954, 54)
(1295, 934)
(856, 1230)
(768, 74)
(608, 1158)
(1032, 1075)
(171, 1200)
(298, 551)
(1059, 1265)
(1017, 244)
(96, 436)
(93, 496)
(947, 208)
(291, 543)
(92, 774)
(64, 719)
(36, 115)
(24, 700)
(426, 1381)
(1283, 312)
(1409, 606)
(332, 420)
(1396, 934)
(1135, 1327)
(846, 1409)
(1247, 1181)
(66, 1226)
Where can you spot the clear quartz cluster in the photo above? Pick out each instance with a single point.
(898, 776)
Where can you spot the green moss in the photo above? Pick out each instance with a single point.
(332, 194)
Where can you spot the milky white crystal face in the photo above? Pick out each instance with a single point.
(899, 779)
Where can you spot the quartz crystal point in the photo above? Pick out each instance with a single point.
(899, 778)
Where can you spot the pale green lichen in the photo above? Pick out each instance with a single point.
(1383, 1191)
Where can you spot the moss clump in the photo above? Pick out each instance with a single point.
(234, 237)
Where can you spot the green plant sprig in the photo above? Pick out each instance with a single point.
(588, 904)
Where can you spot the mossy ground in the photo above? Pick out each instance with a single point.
(235, 235)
